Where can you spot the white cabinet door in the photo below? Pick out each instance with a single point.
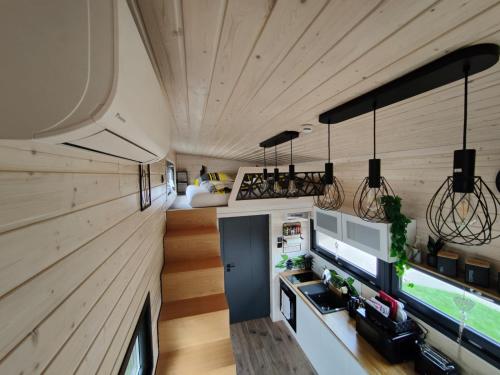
(372, 238)
(324, 351)
(328, 222)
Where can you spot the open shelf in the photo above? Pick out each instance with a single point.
(459, 281)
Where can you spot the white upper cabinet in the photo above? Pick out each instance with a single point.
(74, 69)
(328, 222)
(372, 238)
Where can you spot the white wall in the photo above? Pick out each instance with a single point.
(77, 258)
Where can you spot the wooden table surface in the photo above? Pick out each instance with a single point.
(344, 328)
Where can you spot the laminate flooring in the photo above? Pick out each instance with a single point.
(262, 347)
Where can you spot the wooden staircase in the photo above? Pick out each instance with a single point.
(193, 326)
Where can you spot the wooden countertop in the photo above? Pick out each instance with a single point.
(344, 328)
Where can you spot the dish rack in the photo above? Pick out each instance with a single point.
(387, 324)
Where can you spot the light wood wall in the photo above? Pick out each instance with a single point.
(192, 164)
(77, 258)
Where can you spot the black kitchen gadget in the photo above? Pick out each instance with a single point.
(477, 272)
(396, 348)
(447, 263)
(430, 361)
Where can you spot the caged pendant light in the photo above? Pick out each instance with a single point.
(367, 200)
(276, 186)
(333, 193)
(464, 209)
(264, 185)
(292, 187)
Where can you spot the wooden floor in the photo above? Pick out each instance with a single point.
(262, 347)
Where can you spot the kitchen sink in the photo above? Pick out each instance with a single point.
(302, 277)
(323, 298)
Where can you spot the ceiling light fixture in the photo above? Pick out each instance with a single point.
(464, 209)
(292, 187)
(276, 186)
(367, 200)
(264, 185)
(333, 193)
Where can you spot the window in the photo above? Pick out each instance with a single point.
(442, 305)
(139, 357)
(359, 258)
(170, 177)
(362, 266)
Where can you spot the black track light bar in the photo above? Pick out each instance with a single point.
(440, 72)
(280, 138)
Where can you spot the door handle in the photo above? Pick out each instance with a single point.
(229, 266)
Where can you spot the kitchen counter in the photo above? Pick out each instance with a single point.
(344, 328)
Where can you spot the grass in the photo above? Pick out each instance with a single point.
(482, 318)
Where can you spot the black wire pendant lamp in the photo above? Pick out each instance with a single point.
(332, 196)
(292, 187)
(276, 186)
(367, 200)
(264, 185)
(464, 209)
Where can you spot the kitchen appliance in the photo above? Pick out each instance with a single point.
(396, 346)
(288, 305)
(430, 361)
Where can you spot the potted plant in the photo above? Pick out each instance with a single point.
(433, 247)
(290, 263)
(399, 223)
(343, 286)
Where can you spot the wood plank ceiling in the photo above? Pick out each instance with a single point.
(239, 71)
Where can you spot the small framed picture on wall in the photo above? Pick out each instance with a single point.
(145, 185)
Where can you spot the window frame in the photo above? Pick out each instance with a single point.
(481, 346)
(143, 333)
(381, 281)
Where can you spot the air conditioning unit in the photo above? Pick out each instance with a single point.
(77, 73)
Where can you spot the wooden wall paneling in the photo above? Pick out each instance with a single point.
(361, 39)
(163, 20)
(29, 197)
(333, 24)
(435, 39)
(104, 317)
(243, 23)
(286, 23)
(116, 350)
(26, 252)
(202, 26)
(110, 250)
(33, 157)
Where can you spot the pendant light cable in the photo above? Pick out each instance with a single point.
(265, 164)
(276, 156)
(374, 131)
(329, 151)
(466, 94)
(291, 151)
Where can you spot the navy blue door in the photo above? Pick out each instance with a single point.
(245, 253)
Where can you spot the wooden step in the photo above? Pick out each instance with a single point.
(192, 278)
(192, 322)
(191, 244)
(215, 358)
(191, 218)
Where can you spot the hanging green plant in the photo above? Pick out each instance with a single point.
(399, 223)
